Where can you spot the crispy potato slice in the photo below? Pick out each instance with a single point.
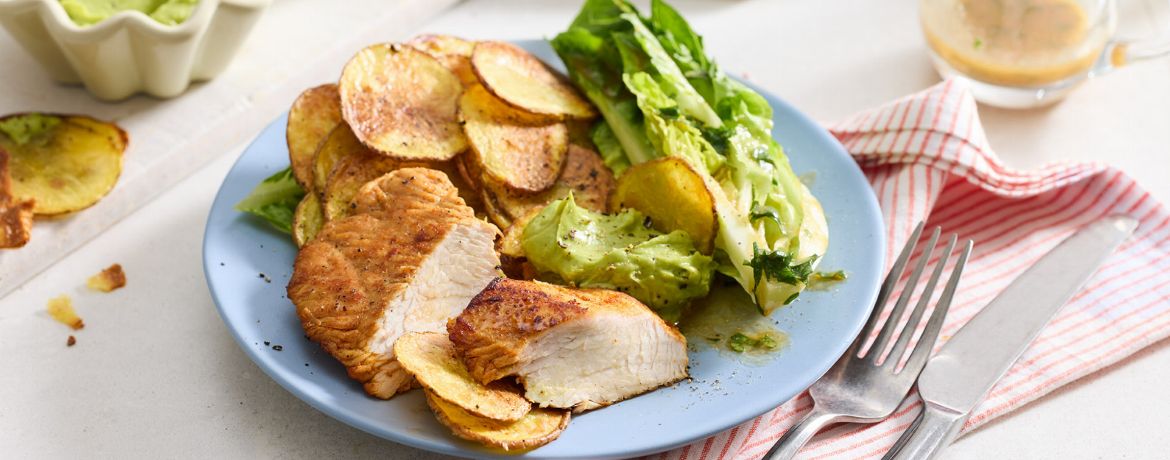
(511, 244)
(526, 157)
(584, 174)
(350, 174)
(468, 190)
(513, 259)
(453, 52)
(673, 195)
(353, 170)
(307, 220)
(539, 427)
(431, 358)
(340, 143)
(401, 102)
(16, 219)
(495, 211)
(470, 173)
(313, 115)
(523, 81)
(67, 168)
(16, 216)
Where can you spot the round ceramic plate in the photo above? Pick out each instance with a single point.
(248, 265)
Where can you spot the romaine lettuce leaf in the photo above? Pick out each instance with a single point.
(687, 107)
(588, 249)
(275, 200)
(610, 148)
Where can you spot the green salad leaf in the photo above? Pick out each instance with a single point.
(661, 95)
(275, 200)
(620, 252)
(610, 149)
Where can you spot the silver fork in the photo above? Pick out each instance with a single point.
(857, 388)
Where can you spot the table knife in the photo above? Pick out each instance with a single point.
(966, 368)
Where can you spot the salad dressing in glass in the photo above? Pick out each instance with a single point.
(1013, 42)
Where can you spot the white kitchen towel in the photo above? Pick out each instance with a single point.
(927, 159)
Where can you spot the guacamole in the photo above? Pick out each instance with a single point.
(620, 252)
(166, 12)
(23, 128)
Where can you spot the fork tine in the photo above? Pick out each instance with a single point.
(887, 286)
(883, 340)
(895, 355)
(926, 344)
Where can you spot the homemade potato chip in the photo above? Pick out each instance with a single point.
(353, 167)
(431, 358)
(468, 190)
(313, 115)
(69, 167)
(307, 220)
(349, 175)
(453, 52)
(507, 146)
(111, 131)
(402, 102)
(16, 219)
(584, 174)
(673, 195)
(340, 143)
(537, 428)
(495, 211)
(511, 244)
(16, 216)
(469, 171)
(523, 81)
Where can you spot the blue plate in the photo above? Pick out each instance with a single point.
(247, 265)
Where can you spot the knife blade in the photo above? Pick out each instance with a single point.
(966, 368)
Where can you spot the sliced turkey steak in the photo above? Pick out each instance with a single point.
(570, 348)
(407, 259)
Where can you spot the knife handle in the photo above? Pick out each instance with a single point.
(931, 432)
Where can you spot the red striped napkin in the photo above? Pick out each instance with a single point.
(928, 159)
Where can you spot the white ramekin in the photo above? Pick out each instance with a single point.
(130, 52)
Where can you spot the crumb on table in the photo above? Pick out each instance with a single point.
(108, 280)
(61, 309)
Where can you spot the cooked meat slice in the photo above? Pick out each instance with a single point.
(409, 258)
(570, 348)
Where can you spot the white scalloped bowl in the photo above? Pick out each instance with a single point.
(130, 52)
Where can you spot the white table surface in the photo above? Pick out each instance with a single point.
(155, 373)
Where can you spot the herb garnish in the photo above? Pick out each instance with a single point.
(777, 266)
(740, 342)
(669, 113)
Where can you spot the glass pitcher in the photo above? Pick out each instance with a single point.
(1028, 53)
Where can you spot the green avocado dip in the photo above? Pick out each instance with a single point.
(166, 12)
(26, 127)
(620, 252)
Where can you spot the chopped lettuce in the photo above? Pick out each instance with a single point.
(610, 148)
(620, 252)
(660, 94)
(275, 200)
